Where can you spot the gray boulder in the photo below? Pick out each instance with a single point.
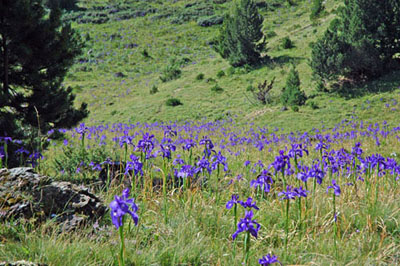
(26, 194)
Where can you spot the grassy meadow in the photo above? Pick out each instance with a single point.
(352, 138)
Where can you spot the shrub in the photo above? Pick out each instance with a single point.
(316, 9)
(220, 74)
(154, 89)
(171, 71)
(270, 34)
(287, 43)
(313, 105)
(217, 88)
(250, 88)
(210, 21)
(200, 76)
(292, 95)
(230, 71)
(173, 102)
(262, 93)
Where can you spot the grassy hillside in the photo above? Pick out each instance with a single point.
(115, 77)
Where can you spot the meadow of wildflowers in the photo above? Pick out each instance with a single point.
(227, 193)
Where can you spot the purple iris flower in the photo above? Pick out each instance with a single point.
(264, 181)
(335, 187)
(21, 151)
(167, 150)
(125, 140)
(121, 206)
(297, 151)
(146, 144)
(169, 132)
(185, 171)
(178, 160)
(288, 194)
(203, 164)
(208, 145)
(82, 129)
(217, 160)
(356, 150)
(247, 224)
(268, 260)
(321, 146)
(233, 201)
(281, 162)
(301, 192)
(248, 203)
(135, 165)
(189, 144)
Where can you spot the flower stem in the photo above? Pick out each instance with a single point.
(287, 223)
(246, 247)
(122, 247)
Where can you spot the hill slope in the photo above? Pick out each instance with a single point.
(130, 44)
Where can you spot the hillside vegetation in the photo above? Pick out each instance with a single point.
(128, 51)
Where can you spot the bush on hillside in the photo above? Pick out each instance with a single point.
(173, 102)
(171, 71)
(291, 95)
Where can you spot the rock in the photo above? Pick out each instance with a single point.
(284, 108)
(26, 194)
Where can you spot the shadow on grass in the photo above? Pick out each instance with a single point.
(282, 60)
(386, 83)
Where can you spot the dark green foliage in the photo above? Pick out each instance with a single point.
(287, 43)
(145, 53)
(220, 74)
(36, 51)
(63, 4)
(72, 158)
(171, 71)
(361, 44)
(210, 21)
(117, 11)
(200, 76)
(193, 11)
(313, 105)
(154, 89)
(241, 40)
(173, 102)
(270, 34)
(316, 9)
(216, 88)
(231, 71)
(250, 88)
(292, 95)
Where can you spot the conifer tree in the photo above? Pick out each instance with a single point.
(362, 43)
(36, 50)
(292, 95)
(241, 40)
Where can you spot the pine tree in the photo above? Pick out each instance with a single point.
(362, 43)
(36, 50)
(292, 95)
(241, 39)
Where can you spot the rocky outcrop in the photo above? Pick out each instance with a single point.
(26, 194)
